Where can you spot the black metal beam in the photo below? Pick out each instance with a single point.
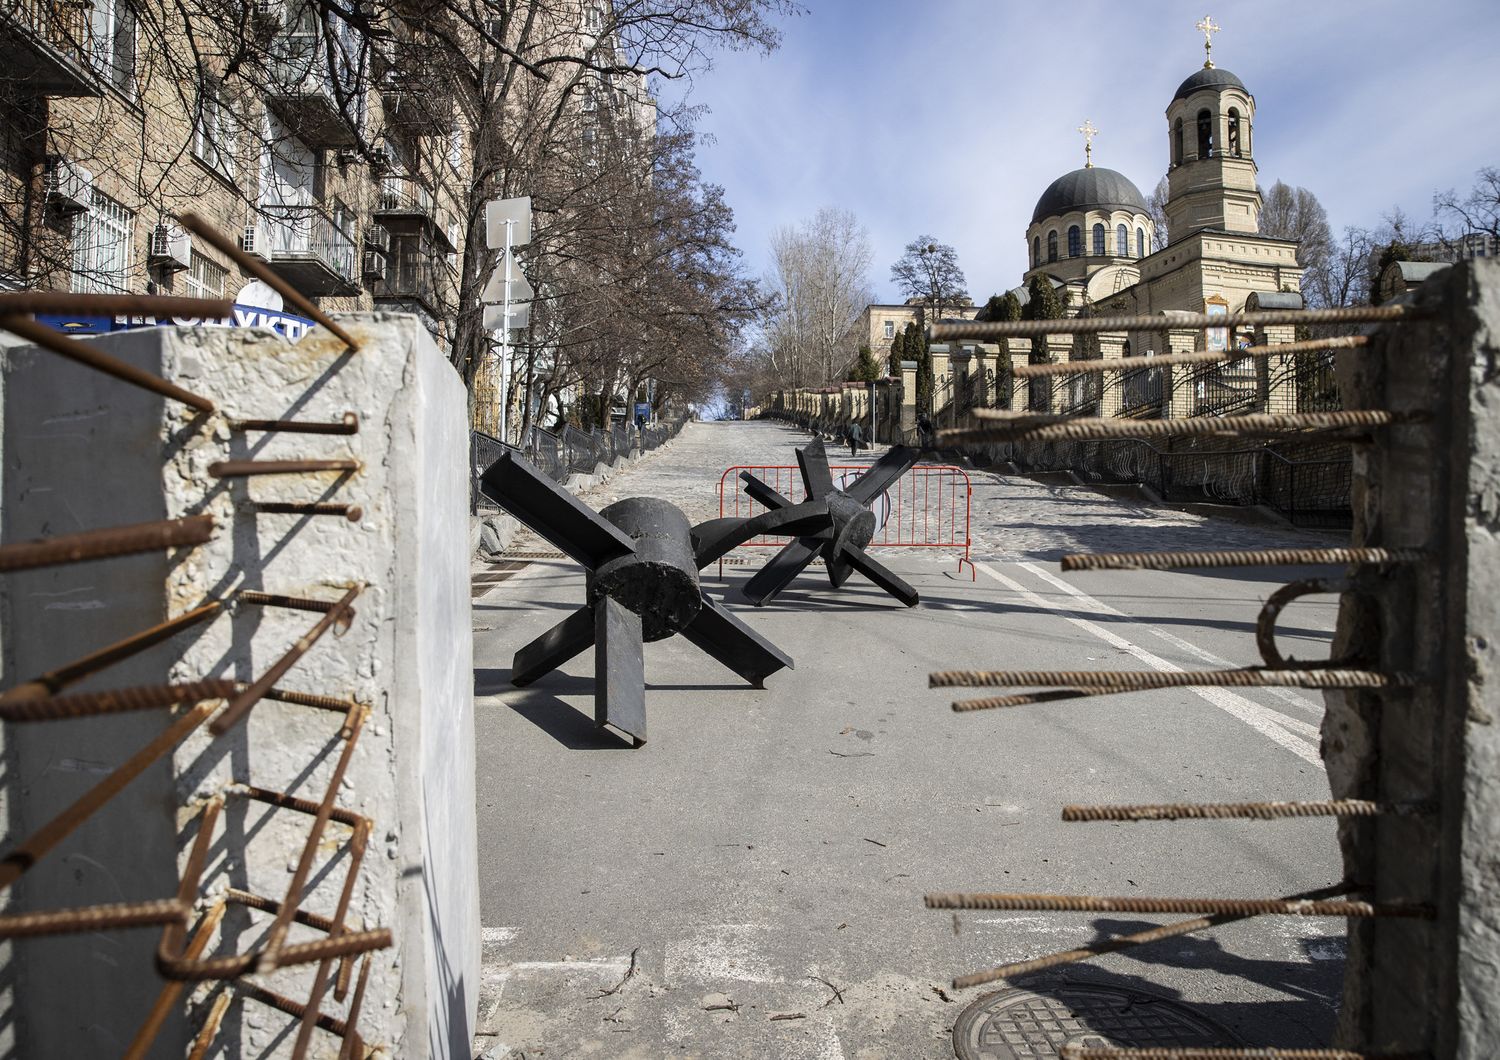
(553, 648)
(619, 669)
(555, 514)
(883, 473)
(778, 574)
(735, 644)
(715, 538)
(813, 460)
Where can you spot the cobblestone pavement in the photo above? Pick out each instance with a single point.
(1014, 517)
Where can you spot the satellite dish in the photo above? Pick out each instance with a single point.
(259, 295)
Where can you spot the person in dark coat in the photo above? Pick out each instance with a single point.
(856, 438)
(924, 431)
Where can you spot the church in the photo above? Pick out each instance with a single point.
(1091, 235)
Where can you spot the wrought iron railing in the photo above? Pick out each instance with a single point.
(304, 232)
(484, 450)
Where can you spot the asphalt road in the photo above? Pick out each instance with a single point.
(767, 850)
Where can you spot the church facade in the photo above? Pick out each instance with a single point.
(1092, 236)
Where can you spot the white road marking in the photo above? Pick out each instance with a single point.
(498, 936)
(1285, 694)
(1262, 719)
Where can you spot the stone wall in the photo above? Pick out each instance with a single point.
(83, 451)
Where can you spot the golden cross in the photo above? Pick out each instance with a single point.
(1208, 27)
(1089, 132)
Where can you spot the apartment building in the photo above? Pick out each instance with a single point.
(331, 154)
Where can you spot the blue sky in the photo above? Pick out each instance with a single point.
(952, 116)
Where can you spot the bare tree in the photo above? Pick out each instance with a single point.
(1295, 213)
(1477, 213)
(928, 271)
(1157, 208)
(821, 281)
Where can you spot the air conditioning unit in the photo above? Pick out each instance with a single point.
(374, 265)
(382, 158)
(256, 242)
(171, 248)
(378, 237)
(68, 186)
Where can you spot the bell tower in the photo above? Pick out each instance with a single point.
(1211, 176)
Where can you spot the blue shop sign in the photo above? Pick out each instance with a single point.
(289, 325)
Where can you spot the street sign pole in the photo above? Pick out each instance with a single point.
(505, 338)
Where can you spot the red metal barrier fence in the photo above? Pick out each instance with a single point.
(928, 507)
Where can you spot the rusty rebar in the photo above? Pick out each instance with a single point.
(1113, 1052)
(1071, 684)
(1263, 557)
(296, 1009)
(235, 896)
(243, 703)
(357, 846)
(36, 845)
(1011, 426)
(173, 942)
(157, 305)
(307, 699)
(1099, 366)
(297, 603)
(233, 965)
(114, 701)
(166, 1001)
(276, 936)
(107, 543)
(283, 801)
(348, 425)
(93, 918)
(54, 681)
(352, 1043)
(90, 357)
(970, 329)
(1270, 612)
(1087, 903)
(210, 1026)
(226, 246)
(249, 468)
(1120, 942)
(1252, 811)
(353, 512)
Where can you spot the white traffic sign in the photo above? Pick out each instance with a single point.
(495, 291)
(499, 211)
(494, 316)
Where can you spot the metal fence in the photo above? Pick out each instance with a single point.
(568, 451)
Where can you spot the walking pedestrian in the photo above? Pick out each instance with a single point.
(924, 431)
(856, 438)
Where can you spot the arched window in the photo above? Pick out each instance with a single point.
(1140, 242)
(1052, 245)
(1122, 241)
(1075, 241)
(1177, 142)
(1036, 251)
(1205, 134)
(1234, 132)
(1098, 241)
(1125, 349)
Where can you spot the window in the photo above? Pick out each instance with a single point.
(456, 149)
(206, 278)
(1140, 242)
(1125, 349)
(112, 44)
(215, 137)
(1036, 251)
(1177, 142)
(1234, 132)
(101, 247)
(1098, 241)
(1122, 241)
(1052, 245)
(1205, 134)
(1075, 241)
(890, 329)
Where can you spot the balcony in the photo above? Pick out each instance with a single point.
(406, 208)
(413, 102)
(302, 93)
(311, 252)
(413, 280)
(50, 48)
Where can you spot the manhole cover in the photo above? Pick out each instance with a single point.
(1020, 1024)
